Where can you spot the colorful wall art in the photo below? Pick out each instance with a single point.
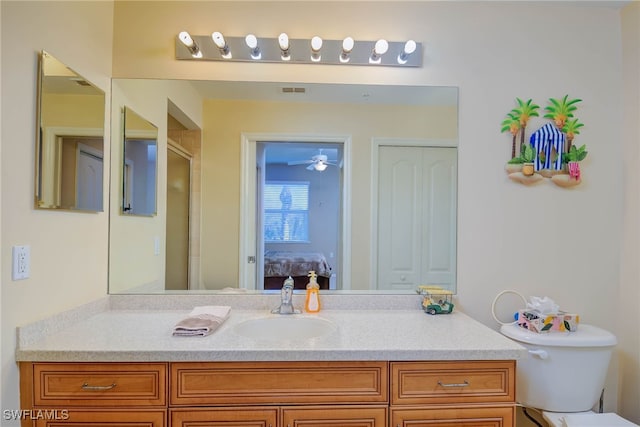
(549, 152)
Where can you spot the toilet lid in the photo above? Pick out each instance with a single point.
(585, 336)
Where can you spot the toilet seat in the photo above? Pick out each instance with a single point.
(585, 419)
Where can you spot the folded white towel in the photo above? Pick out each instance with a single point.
(584, 420)
(202, 321)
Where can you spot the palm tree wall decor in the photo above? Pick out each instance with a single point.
(525, 111)
(561, 110)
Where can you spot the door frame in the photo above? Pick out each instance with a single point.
(376, 143)
(247, 276)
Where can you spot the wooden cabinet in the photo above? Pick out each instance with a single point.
(271, 394)
(114, 394)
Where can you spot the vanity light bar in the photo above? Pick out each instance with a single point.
(250, 48)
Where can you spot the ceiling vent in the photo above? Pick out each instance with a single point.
(294, 90)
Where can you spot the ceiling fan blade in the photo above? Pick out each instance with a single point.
(311, 167)
(299, 162)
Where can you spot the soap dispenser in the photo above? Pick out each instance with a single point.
(312, 301)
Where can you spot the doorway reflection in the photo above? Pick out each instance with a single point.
(299, 203)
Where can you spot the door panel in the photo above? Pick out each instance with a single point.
(416, 190)
(178, 213)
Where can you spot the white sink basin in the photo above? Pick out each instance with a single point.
(285, 328)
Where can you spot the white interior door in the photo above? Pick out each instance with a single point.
(89, 181)
(416, 189)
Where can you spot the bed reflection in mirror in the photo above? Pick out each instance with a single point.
(139, 166)
(70, 139)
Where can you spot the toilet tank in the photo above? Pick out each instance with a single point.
(564, 371)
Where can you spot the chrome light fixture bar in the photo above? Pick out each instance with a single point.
(283, 49)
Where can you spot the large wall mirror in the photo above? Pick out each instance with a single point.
(70, 139)
(356, 182)
(140, 145)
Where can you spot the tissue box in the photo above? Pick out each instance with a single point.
(541, 323)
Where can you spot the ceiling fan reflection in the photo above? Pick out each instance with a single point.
(318, 162)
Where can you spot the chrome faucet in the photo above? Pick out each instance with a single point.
(286, 299)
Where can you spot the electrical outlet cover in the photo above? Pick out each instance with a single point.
(20, 263)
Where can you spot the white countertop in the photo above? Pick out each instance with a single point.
(126, 335)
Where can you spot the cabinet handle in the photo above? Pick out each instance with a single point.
(86, 386)
(463, 384)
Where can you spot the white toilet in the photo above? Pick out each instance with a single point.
(564, 374)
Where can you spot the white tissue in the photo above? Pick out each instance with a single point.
(543, 305)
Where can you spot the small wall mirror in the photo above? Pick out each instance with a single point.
(70, 139)
(139, 169)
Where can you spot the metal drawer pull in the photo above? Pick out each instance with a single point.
(464, 384)
(86, 386)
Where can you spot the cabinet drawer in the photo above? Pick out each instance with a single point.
(416, 383)
(231, 383)
(99, 384)
(224, 417)
(335, 416)
(484, 416)
(102, 418)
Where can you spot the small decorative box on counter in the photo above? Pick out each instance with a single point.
(543, 323)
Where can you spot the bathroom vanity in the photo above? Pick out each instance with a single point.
(377, 368)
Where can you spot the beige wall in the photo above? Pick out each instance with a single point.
(629, 297)
(133, 237)
(68, 250)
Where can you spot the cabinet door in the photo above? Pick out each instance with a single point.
(453, 417)
(99, 418)
(334, 416)
(224, 417)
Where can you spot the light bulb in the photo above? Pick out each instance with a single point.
(283, 41)
(347, 47)
(381, 47)
(320, 166)
(218, 39)
(251, 41)
(316, 43)
(410, 47)
(186, 39)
